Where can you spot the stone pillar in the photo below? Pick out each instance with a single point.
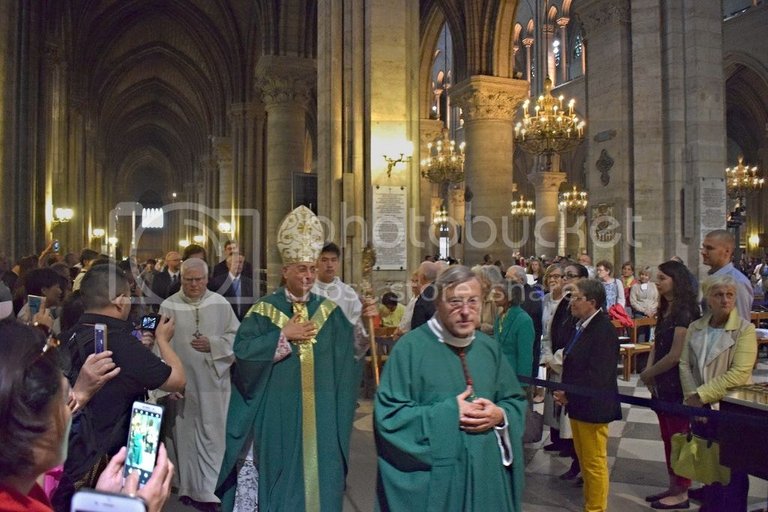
(489, 105)
(609, 113)
(431, 194)
(222, 151)
(246, 121)
(547, 185)
(528, 42)
(548, 35)
(285, 84)
(562, 23)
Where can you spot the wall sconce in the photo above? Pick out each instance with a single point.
(225, 227)
(754, 240)
(405, 152)
(198, 239)
(112, 240)
(98, 233)
(62, 215)
(183, 243)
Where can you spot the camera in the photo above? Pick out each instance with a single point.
(149, 322)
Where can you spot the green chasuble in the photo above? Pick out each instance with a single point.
(425, 461)
(514, 331)
(266, 407)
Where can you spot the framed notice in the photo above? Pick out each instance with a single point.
(390, 208)
(713, 209)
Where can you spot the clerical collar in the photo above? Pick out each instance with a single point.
(324, 286)
(292, 298)
(443, 336)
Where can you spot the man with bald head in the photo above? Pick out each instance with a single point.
(169, 278)
(716, 252)
(424, 308)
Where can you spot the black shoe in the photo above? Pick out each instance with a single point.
(570, 474)
(553, 447)
(657, 497)
(696, 494)
(658, 505)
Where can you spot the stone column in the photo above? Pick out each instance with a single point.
(488, 105)
(562, 23)
(548, 34)
(429, 131)
(222, 151)
(246, 121)
(609, 113)
(285, 84)
(528, 42)
(547, 185)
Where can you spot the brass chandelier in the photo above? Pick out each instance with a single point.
(522, 208)
(574, 201)
(552, 128)
(742, 179)
(445, 161)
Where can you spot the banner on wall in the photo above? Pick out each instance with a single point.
(390, 222)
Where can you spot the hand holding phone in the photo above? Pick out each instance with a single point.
(155, 493)
(34, 302)
(149, 322)
(143, 441)
(55, 246)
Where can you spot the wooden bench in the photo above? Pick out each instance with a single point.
(758, 316)
(629, 352)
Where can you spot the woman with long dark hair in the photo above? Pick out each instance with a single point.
(677, 309)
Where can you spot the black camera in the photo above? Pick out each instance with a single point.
(149, 322)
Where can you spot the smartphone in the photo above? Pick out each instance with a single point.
(56, 246)
(143, 440)
(34, 301)
(149, 322)
(89, 500)
(100, 338)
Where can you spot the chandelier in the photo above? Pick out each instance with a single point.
(742, 179)
(445, 163)
(440, 217)
(522, 208)
(552, 128)
(574, 201)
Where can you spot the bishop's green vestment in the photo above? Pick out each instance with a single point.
(266, 407)
(425, 461)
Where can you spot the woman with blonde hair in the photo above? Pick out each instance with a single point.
(719, 353)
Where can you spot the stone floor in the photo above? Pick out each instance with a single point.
(636, 460)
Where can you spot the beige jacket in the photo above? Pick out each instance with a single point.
(728, 364)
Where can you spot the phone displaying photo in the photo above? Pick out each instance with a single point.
(143, 440)
(34, 302)
(89, 500)
(149, 322)
(100, 338)
(56, 246)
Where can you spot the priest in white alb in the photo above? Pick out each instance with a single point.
(205, 331)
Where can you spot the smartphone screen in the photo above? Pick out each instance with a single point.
(56, 246)
(100, 338)
(149, 322)
(34, 301)
(143, 440)
(89, 500)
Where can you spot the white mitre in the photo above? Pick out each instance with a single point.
(300, 237)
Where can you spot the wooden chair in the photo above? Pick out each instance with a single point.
(640, 323)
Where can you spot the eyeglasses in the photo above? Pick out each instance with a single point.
(570, 275)
(556, 276)
(576, 298)
(457, 304)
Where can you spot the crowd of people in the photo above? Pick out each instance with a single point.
(259, 394)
